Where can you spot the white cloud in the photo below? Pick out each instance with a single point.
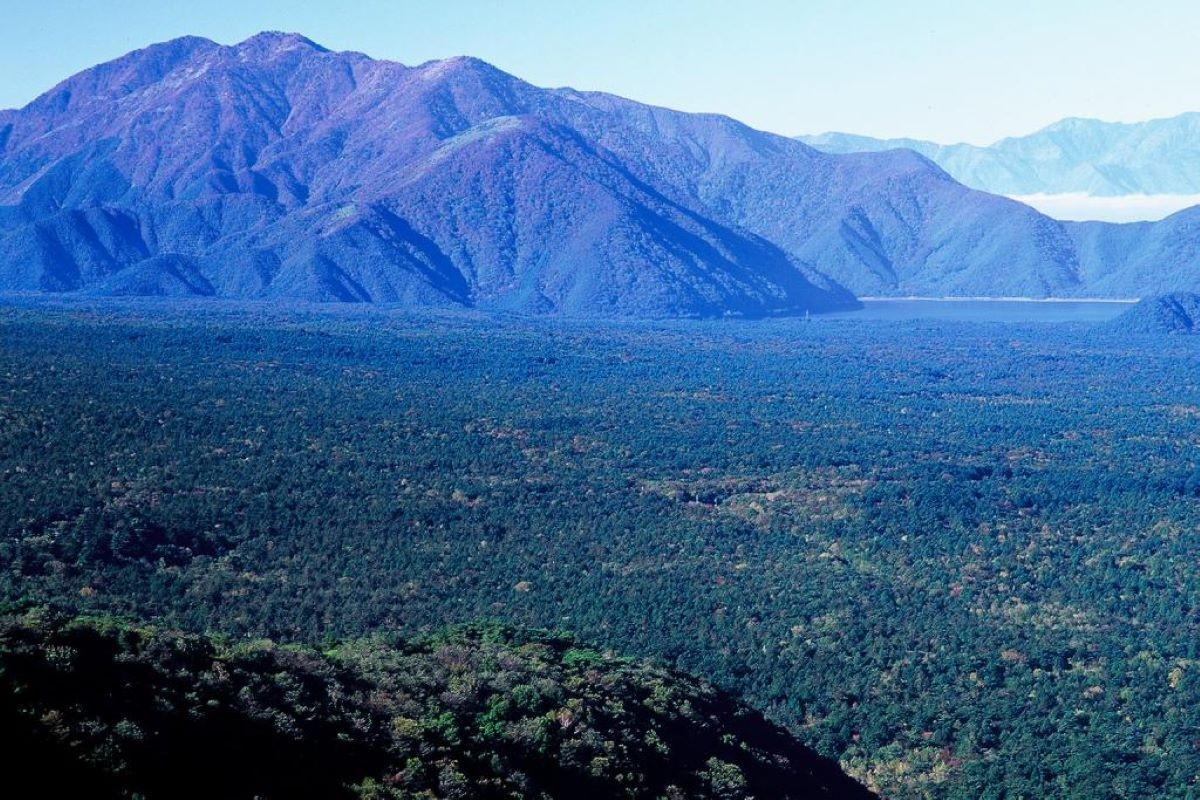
(1128, 208)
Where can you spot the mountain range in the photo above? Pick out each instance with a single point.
(1088, 156)
(275, 168)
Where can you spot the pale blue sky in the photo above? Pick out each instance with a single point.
(947, 70)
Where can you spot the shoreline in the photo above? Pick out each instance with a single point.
(925, 299)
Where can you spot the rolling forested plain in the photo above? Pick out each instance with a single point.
(958, 557)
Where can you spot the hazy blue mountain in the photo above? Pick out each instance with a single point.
(1161, 156)
(1169, 313)
(277, 169)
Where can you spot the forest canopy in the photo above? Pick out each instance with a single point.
(958, 558)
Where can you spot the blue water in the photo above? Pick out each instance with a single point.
(985, 310)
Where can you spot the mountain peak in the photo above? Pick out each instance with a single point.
(278, 41)
(1075, 124)
(457, 65)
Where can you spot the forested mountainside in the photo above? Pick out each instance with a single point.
(275, 169)
(107, 708)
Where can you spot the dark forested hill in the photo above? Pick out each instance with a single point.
(277, 169)
(106, 709)
(1169, 313)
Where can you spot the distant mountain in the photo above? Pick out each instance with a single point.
(1171, 313)
(104, 709)
(278, 169)
(1108, 159)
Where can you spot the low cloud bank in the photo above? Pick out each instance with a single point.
(1128, 208)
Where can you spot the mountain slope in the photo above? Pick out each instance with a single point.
(479, 712)
(277, 169)
(1109, 159)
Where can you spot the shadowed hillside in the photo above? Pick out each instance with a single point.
(115, 710)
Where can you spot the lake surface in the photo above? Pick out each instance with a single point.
(987, 310)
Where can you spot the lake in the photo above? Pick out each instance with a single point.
(978, 310)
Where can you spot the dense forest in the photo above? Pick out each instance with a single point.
(104, 708)
(959, 558)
